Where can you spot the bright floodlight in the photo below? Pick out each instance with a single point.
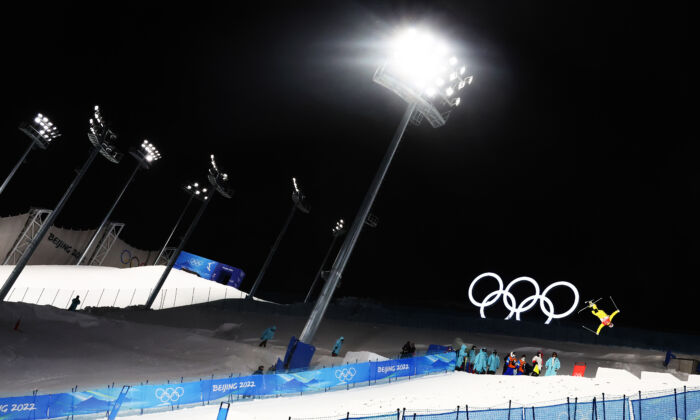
(146, 154)
(41, 130)
(421, 69)
(339, 227)
(103, 138)
(219, 179)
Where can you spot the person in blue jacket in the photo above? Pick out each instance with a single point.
(461, 354)
(493, 362)
(338, 345)
(552, 365)
(268, 334)
(470, 360)
(480, 362)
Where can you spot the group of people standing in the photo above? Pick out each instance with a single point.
(481, 362)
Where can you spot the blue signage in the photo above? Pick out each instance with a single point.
(209, 269)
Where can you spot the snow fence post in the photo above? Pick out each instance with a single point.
(575, 406)
(132, 297)
(192, 303)
(533, 412)
(509, 404)
(42, 292)
(675, 401)
(640, 405)
(54, 298)
(624, 403)
(685, 409)
(466, 410)
(603, 406)
(457, 418)
(116, 297)
(594, 411)
(347, 416)
(98, 300)
(25, 294)
(398, 414)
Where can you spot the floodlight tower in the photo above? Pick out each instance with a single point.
(423, 73)
(337, 231)
(300, 203)
(103, 142)
(145, 156)
(218, 179)
(42, 132)
(194, 191)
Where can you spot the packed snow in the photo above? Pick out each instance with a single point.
(57, 285)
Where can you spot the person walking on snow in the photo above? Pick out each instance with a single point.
(537, 364)
(74, 303)
(268, 334)
(480, 362)
(461, 354)
(511, 364)
(338, 345)
(552, 365)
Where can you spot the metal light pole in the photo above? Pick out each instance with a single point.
(338, 230)
(420, 72)
(299, 203)
(102, 139)
(219, 182)
(145, 156)
(41, 131)
(177, 224)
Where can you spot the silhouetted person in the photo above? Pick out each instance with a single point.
(74, 303)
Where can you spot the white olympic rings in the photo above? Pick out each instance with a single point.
(345, 375)
(528, 303)
(170, 394)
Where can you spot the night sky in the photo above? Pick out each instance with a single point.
(570, 157)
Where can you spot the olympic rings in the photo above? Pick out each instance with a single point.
(528, 303)
(170, 394)
(129, 259)
(345, 375)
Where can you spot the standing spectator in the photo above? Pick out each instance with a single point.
(260, 370)
(461, 355)
(470, 361)
(408, 350)
(338, 345)
(537, 364)
(268, 334)
(74, 303)
(480, 362)
(522, 365)
(505, 364)
(552, 365)
(511, 364)
(493, 362)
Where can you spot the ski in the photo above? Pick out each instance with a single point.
(587, 302)
(589, 329)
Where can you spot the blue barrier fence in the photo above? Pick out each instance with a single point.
(172, 395)
(684, 405)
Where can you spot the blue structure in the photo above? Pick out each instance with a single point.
(210, 269)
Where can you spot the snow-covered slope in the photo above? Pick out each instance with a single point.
(56, 285)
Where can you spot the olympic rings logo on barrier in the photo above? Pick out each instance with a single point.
(345, 375)
(528, 303)
(129, 259)
(170, 394)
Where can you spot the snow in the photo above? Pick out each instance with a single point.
(56, 350)
(109, 286)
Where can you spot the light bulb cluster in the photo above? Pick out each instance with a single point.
(296, 187)
(426, 64)
(196, 190)
(219, 179)
(45, 128)
(339, 227)
(103, 138)
(149, 151)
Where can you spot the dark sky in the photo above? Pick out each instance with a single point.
(570, 157)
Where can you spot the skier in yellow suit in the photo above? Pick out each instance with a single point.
(605, 319)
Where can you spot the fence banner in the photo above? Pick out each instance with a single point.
(209, 269)
(175, 394)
